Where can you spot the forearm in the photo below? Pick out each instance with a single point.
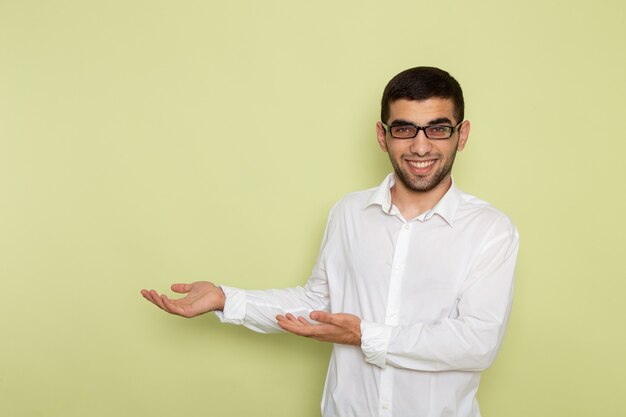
(451, 344)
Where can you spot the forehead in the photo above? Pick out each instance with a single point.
(422, 112)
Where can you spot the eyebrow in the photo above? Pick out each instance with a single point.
(438, 121)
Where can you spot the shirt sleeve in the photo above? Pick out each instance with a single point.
(469, 339)
(257, 309)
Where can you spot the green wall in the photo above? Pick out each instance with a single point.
(146, 142)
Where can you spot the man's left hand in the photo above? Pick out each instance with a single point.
(335, 328)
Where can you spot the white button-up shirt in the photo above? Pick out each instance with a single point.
(433, 292)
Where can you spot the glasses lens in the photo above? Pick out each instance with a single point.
(438, 132)
(403, 131)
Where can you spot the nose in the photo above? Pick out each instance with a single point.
(420, 144)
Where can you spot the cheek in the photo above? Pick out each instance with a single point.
(394, 152)
(399, 148)
(448, 149)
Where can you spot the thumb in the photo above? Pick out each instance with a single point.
(321, 316)
(181, 288)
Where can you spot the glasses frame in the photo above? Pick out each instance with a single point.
(454, 128)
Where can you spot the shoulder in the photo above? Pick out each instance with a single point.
(356, 200)
(484, 216)
(350, 209)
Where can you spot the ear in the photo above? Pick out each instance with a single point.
(464, 131)
(381, 135)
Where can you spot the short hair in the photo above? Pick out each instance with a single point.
(422, 83)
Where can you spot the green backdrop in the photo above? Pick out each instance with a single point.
(147, 142)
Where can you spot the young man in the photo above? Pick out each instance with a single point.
(414, 280)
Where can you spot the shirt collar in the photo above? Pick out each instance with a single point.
(446, 207)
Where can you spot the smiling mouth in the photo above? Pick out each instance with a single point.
(421, 164)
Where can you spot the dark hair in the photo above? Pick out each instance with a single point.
(422, 83)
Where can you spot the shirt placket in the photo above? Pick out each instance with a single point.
(392, 313)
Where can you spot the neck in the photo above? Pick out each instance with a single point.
(412, 203)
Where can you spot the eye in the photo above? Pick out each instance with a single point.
(403, 131)
(439, 131)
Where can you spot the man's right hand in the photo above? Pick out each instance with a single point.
(202, 297)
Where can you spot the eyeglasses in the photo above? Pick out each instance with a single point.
(409, 131)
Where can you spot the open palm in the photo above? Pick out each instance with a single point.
(202, 297)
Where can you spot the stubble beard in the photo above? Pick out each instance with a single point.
(415, 183)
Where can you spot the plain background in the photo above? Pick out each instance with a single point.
(148, 142)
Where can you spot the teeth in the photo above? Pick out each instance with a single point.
(421, 164)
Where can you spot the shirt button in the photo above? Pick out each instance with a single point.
(406, 226)
(385, 406)
(397, 267)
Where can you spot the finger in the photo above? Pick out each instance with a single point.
(294, 327)
(280, 320)
(171, 307)
(304, 321)
(156, 299)
(297, 321)
(286, 325)
(288, 322)
(293, 319)
(181, 288)
(148, 296)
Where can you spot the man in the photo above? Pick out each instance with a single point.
(414, 280)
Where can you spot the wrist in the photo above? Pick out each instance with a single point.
(221, 299)
(234, 305)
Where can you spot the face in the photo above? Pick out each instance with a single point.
(423, 164)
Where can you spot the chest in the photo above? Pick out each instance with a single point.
(415, 269)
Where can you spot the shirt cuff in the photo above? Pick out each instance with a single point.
(374, 342)
(234, 306)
